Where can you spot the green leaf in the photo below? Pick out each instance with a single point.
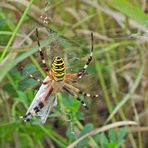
(70, 134)
(121, 136)
(111, 145)
(30, 68)
(9, 89)
(22, 96)
(27, 83)
(122, 133)
(120, 143)
(72, 104)
(103, 139)
(112, 135)
(87, 128)
(15, 75)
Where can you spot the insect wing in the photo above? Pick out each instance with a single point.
(39, 95)
(50, 103)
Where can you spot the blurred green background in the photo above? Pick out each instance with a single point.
(118, 72)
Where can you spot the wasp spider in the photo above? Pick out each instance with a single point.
(57, 80)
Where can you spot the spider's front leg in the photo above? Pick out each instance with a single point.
(45, 67)
(81, 72)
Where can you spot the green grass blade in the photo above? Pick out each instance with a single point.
(11, 63)
(132, 11)
(132, 90)
(15, 31)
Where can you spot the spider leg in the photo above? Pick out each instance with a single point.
(81, 72)
(74, 75)
(70, 80)
(79, 91)
(37, 79)
(40, 105)
(45, 67)
(88, 61)
(76, 97)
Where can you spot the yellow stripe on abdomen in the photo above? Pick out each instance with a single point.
(58, 69)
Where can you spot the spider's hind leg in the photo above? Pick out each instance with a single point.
(79, 91)
(76, 97)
